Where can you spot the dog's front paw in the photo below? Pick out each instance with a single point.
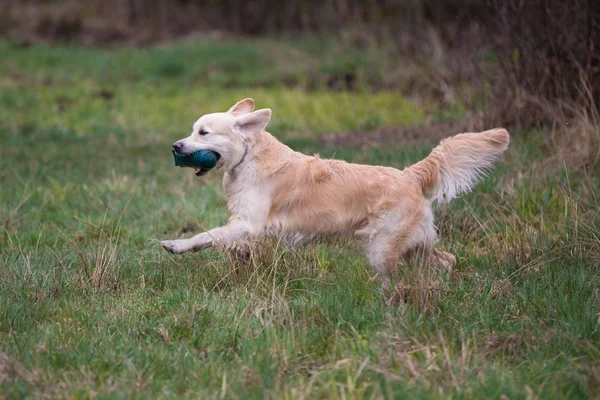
(175, 246)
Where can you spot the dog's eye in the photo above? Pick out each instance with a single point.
(202, 132)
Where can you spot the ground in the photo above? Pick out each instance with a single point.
(90, 305)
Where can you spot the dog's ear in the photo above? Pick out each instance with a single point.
(255, 122)
(242, 107)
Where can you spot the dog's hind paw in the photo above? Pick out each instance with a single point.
(175, 246)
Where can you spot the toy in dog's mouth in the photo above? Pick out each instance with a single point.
(202, 160)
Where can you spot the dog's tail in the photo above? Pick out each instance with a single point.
(456, 165)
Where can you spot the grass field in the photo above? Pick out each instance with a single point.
(91, 306)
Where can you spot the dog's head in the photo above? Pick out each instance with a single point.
(225, 133)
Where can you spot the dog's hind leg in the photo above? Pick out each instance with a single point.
(422, 248)
(383, 257)
(396, 235)
(384, 250)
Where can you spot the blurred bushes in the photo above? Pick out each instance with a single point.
(546, 45)
(162, 18)
(544, 54)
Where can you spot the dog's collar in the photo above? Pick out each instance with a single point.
(242, 160)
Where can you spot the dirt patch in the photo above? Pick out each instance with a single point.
(428, 133)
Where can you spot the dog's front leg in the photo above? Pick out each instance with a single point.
(228, 236)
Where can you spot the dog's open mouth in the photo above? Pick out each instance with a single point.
(200, 171)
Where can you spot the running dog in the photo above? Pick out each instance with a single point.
(273, 190)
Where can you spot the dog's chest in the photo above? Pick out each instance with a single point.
(246, 198)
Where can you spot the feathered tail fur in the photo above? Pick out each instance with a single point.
(457, 164)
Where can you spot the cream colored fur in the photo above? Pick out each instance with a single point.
(273, 190)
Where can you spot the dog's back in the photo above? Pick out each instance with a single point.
(310, 194)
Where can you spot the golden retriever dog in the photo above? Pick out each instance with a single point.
(274, 190)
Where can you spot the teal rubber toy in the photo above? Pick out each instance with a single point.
(203, 159)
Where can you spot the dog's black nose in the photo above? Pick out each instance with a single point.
(177, 146)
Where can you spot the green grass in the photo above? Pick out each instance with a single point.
(91, 306)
